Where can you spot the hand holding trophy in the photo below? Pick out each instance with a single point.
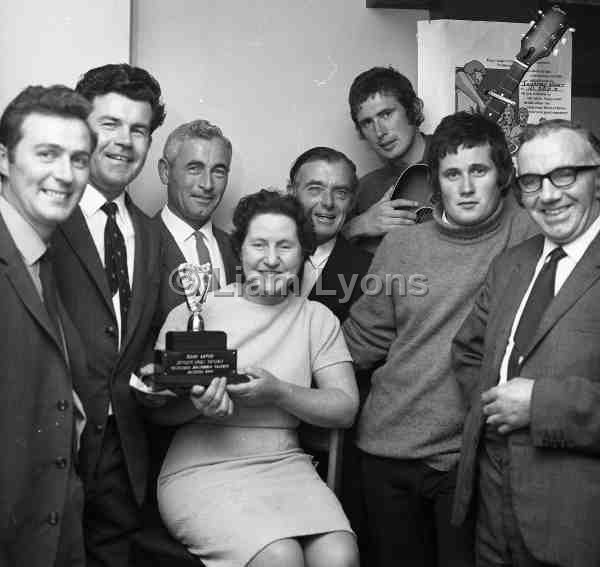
(196, 356)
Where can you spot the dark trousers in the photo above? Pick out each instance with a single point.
(499, 542)
(111, 514)
(409, 506)
(71, 551)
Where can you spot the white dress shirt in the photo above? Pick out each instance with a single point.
(183, 234)
(314, 265)
(95, 217)
(574, 251)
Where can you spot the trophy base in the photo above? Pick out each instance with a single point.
(195, 358)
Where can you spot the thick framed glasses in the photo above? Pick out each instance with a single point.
(560, 177)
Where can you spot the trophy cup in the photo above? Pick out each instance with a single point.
(195, 356)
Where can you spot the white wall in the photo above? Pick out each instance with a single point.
(273, 74)
(55, 42)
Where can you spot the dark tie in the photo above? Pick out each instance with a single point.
(49, 293)
(204, 257)
(115, 262)
(540, 297)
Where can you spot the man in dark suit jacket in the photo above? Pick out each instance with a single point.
(107, 265)
(45, 147)
(195, 169)
(531, 444)
(324, 181)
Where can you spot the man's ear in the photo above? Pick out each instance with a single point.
(163, 171)
(3, 160)
(597, 182)
(291, 189)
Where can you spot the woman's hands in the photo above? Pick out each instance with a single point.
(212, 401)
(263, 388)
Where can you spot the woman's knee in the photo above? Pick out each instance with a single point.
(286, 552)
(336, 549)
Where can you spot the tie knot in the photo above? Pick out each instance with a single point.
(557, 254)
(110, 208)
(199, 235)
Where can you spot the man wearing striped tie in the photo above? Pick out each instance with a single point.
(195, 170)
(528, 361)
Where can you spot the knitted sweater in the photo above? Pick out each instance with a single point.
(414, 409)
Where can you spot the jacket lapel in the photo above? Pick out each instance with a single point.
(332, 271)
(517, 284)
(140, 271)
(229, 259)
(585, 273)
(21, 281)
(79, 238)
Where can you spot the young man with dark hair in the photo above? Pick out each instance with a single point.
(108, 273)
(45, 149)
(409, 430)
(387, 113)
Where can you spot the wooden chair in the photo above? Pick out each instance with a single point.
(153, 546)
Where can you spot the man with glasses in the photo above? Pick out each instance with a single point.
(528, 361)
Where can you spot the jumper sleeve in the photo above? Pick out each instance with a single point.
(370, 328)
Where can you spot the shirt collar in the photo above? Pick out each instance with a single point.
(180, 229)
(322, 253)
(576, 248)
(92, 201)
(27, 240)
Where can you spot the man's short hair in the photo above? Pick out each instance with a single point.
(124, 79)
(196, 129)
(531, 131)
(328, 155)
(56, 100)
(388, 81)
(474, 66)
(469, 130)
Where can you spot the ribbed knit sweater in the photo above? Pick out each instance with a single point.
(414, 409)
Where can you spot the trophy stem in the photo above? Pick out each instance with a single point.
(195, 322)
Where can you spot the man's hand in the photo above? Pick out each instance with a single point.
(149, 399)
(213, 401)
(262, 389)
(508, 406)
(382, 217)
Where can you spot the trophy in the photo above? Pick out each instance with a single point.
(196, 356)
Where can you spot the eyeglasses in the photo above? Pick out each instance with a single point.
(560, 177)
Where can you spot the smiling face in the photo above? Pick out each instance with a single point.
(123, 129)
(562, 214)
(197, 178)
(271, 257)
(383, 122)
(325, 191)
(469, 185)
(48, 170)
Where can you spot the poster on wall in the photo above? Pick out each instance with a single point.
(470, 65)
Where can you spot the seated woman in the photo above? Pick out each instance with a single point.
(235, 487)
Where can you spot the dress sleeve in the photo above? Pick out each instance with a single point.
(176, 320)
(327, 344)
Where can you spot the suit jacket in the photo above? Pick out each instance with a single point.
(36, 415)
(84, 287)
(172, 256)
(346, 265)
(555, 463)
